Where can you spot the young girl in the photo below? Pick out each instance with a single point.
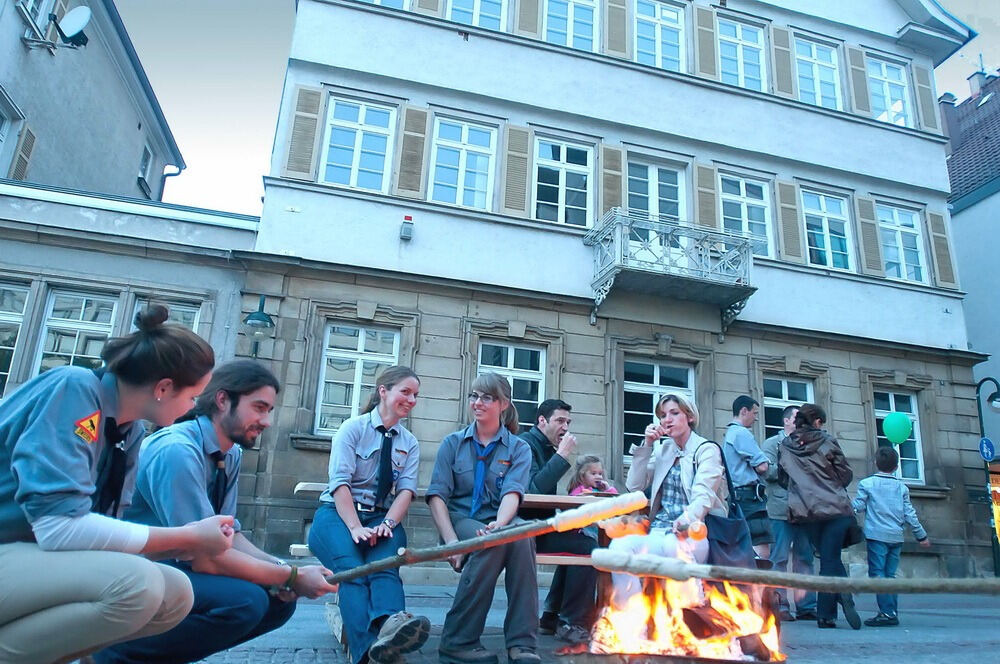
(589, 477)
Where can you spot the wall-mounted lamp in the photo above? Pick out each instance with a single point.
(257, 325)
(406, 230)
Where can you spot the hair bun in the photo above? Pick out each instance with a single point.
(151, 317)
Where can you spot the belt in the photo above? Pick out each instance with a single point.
(753, 491)
(364, 508)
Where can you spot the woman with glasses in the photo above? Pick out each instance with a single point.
(480, 474)
(373, 478)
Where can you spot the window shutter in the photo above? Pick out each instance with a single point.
(944, 266)
(305, 134)
(428, 7)
(412, 151)
(616, 36)
(517, 164)
(707, 62)
(925, 98)
(529, 18)
(790, 225)
(859, 81)
(708, 200)
(784, 62)
(22, 154)
(868, 238)
(611, 180)
(59, 9)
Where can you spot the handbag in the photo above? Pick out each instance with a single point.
(729, 542)
(853, 535)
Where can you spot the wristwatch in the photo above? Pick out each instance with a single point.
(390, 522)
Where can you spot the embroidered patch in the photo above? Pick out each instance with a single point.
(395, 475)
(87, 427)
(505, 462)
(499, 483)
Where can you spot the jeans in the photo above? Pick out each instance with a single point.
(828, 538)
(883, 561)
(226, 612)
(573, 588)
(362, 601)
(792, 538)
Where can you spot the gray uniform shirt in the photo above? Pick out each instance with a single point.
(355, 455)
(742, 454)
(51, 440)
(777, 495)
(176, 475)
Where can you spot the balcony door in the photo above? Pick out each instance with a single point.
(655, 194)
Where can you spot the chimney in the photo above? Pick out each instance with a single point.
(976, 82)
(946, 103)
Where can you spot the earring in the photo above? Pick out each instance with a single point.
(158, 399)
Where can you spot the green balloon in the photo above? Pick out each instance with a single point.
(897, 427)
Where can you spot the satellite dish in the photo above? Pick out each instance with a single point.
(72, 24)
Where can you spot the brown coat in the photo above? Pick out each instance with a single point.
(813, 468)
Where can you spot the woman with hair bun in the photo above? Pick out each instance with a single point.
(70, 583)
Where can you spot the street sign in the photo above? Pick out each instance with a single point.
(986, 449)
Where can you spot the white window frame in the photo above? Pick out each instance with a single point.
(883, 82)
(172, 308)
(145, 162)
(72, 325)
(654, 389)
(653, 185)
(563, 167)
(571, 10)
(388, 132)
(915, 419)
(12, 318)
(477, 9)
(784, 400)
(825, 217)
(898, 230)
(740, 43)
(814, 66)
(661, 22)
(36, 11)
(463, 148)
(405, 4)
(359, 356)
(744, 201)
(512, 373)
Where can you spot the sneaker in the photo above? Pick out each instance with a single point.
(548, 623)
(402, 632)
(573, 634)
(523, 655)
(478, 655)
(882, 620)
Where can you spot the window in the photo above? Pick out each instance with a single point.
(654, 191)
(562, 182)
(463, 164)
(779, 393)
(145, 163)
(659, 35)
(182, 314)
(483, 13)
(76, 327)
(394, 4)
(817, 71)
(745, 211)
(911, 458)
(357, 143)
(353, 357)
(571, 23)
(524, 367)
(741, 54)
(826, 230)
(644, 384)
(902, 253)
(890, 99)
(34, 9)
(12, 302)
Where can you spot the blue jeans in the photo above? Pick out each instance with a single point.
(883, 561)
(828, 537)
(226, 612)
(364, 600)
(791, 538)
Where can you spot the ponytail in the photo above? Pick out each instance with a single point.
(388, 379)
(499, 388)
(808, 414)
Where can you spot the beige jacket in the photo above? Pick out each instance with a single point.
(705, 489)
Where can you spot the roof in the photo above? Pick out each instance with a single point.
(975, 156)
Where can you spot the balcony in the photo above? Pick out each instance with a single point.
(655, 256)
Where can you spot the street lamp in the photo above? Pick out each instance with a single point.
(994, 403)
(257, 325)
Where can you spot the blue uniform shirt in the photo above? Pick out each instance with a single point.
(51, 439)
(177, 472)
(743, 454)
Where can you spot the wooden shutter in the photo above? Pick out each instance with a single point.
(925, 98)
(707, 195)
(611, 178)
(784, 62)
(707, 62)
(616, 30)
(304, 137)
(516, 172)
(944, 266)
(529, 18)
(412, 151)
(790, 222)
(859, 81)
(869, 242)
(429, 7)
(59, 9)
(22, 154)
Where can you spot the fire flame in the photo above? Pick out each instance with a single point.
(660, 621)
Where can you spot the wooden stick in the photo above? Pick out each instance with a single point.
(566, 520)
(671, 568)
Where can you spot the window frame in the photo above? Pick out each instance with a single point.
(405, 4)
(784, 401)
(908, 110)
(815, 65)
(563, 167)
(659, 24)
(142, 301)
(464, 148)
(742, 199)
(512, 373)
(879, 414)
(10, 317)
(740, 45)
(477, 15)
(390, 134)
(655, 389)
(595, 34)
(825, 217)
(898, 230)
(76, 326)
(656, 165)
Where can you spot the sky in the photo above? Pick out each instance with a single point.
(217, 68)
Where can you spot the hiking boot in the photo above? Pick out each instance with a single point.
(477, 655)
(573, 634)
(523, 655)
(548, 623)
(402, 632)
(850, 613)
(882, 620)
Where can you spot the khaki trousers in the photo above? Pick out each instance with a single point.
(56, 606)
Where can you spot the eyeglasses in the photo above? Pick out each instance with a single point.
(487, 399)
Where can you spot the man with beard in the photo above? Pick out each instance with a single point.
(189, 471)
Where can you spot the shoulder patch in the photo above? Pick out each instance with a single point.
(87, 427)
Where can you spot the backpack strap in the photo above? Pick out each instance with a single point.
(731, 501)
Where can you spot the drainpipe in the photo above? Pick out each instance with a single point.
(163, 179)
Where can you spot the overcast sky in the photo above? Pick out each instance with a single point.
(217, 68)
